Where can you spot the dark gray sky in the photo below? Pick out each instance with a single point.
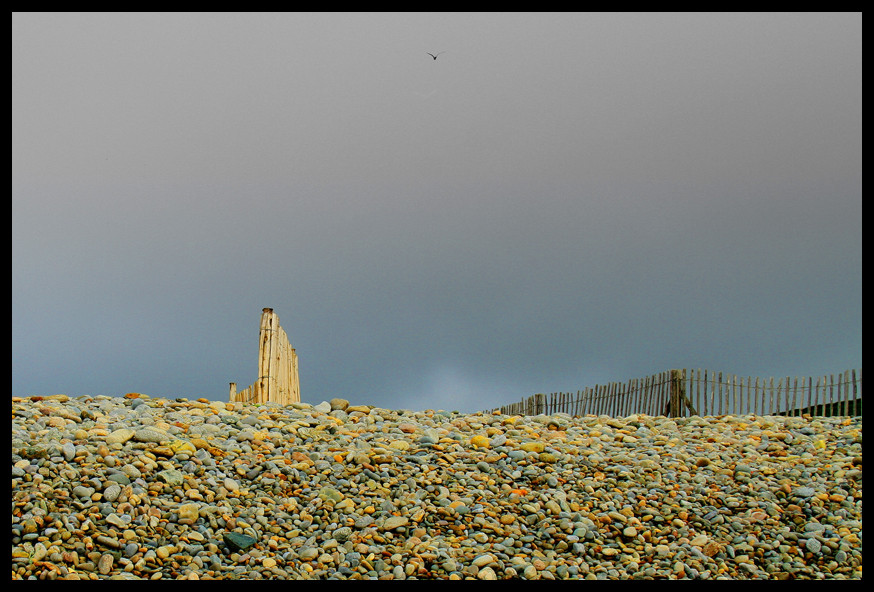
(558, 201)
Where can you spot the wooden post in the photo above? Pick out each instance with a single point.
(677, 399)
(265, 338)
(669, 405)
(857, 401)
(648, 396)
(277, 379)
(761, 408)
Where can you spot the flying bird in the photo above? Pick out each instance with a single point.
(434, 56)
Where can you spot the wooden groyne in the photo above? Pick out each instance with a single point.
(277, 367)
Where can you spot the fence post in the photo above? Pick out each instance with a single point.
(265, 357)
(678, 394)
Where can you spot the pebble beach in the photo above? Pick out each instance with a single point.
(136, 487)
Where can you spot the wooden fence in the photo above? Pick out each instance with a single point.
(683, 393)
(277, 367)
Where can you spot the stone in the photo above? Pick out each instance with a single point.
(69, 451)
(164, 451)
(39, 552)
(365, 409)
(188, 513)
(112, 492)
(37, 451)
(122, 478)
(338, 404)
(393, 522)
(479, 441)
(164, 551)
(116, 520)
(532, 446)
(178, 446)
(104, 565)
(171, 477)
(813, 545)
(199, 443)
(151, 434)
(329, 493)
(82, 491)
(483, 560)
(120, 436)
(237, 541)
(308, 553)
(30, 526)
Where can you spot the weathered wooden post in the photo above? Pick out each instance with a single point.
(265, 357)
(277, 366)
(677, 394)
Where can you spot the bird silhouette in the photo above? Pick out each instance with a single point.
(434, 56)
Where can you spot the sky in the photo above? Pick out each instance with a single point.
(557, 201)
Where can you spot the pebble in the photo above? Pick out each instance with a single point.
(136, 487)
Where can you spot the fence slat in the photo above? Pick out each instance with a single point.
(831, 389)
(759, 410)
(857, 401)
(730, 394)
